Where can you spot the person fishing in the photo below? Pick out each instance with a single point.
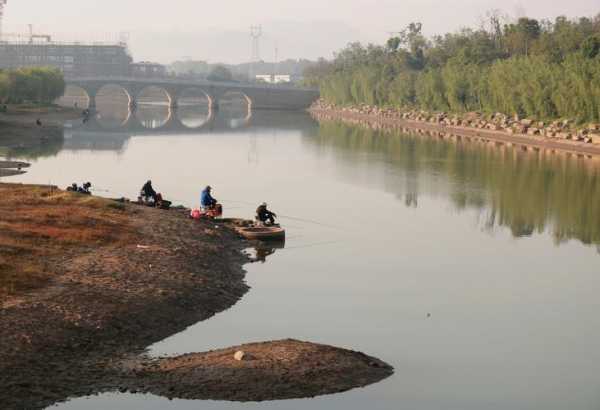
(264, 216)
(206, 199)
(85, 188)
(149, 192)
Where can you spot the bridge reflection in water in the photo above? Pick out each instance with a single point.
(111, 129)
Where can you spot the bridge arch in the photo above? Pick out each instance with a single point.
(153, 116)
(112, 94)
(237, 107)
(194, 96)
(111, 103)
(232, 97)
(194, 107)
(74, 97)
(154, 95)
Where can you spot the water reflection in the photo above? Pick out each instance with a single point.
(367, 281)
(13, 148)
(194, 116)
(114, 118)
(527, 192)
(153, 116)
(237, 108)
(260, 252)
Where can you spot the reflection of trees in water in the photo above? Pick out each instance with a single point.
(46, 148)
(524, 191)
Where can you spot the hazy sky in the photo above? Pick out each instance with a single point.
(219, 30)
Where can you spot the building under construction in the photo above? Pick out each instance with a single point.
(73, 59)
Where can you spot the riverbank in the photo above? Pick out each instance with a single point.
(498, 128)
(87, 284)
(88, 280)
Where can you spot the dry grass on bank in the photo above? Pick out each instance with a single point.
(41, 226)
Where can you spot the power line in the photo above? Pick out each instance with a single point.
(2, 4)
(255, 35)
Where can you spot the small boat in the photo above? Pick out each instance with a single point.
(263, 233)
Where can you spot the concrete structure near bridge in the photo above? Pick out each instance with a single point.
(258, 96)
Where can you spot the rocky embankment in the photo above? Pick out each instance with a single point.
(559, 134)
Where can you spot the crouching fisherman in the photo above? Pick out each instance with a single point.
(148, 196)
(264, 216)
(148, 192)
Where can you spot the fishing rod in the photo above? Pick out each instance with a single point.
(294, 218)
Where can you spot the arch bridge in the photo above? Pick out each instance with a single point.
(258, 96)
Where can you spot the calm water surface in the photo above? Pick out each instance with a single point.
(499, 245)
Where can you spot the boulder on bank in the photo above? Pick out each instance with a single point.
(285, 369)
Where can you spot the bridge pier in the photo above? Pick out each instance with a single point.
(92, 103)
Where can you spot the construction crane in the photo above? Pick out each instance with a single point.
(2, 4)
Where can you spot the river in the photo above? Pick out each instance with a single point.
(474, 270)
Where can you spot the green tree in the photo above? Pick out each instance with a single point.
(591, 46)
(220, 73)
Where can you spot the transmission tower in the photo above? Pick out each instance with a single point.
(255, 35)
(2, 4)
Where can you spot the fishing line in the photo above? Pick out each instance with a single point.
(310, 245)
(291, 217)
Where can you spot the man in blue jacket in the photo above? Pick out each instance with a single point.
(206, 199)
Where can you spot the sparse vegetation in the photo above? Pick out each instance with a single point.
(40, 225)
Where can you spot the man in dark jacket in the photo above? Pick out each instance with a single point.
(264, 215)
(149, 192)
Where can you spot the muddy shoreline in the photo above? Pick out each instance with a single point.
(108, 301)
(59, 341)
(528, 142)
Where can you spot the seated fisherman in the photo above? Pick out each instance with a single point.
(265, 216)
(149, 192)
(206, 199)
(85, 188)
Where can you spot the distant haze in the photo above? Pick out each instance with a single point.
(219, 31)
